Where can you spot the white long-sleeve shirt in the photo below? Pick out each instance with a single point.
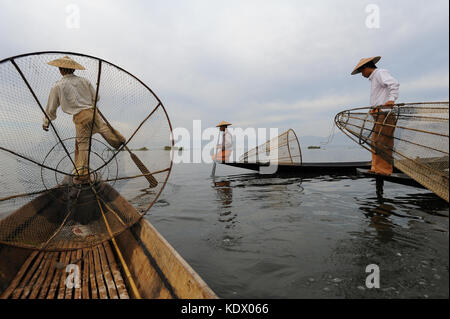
(384, 87)
(73, 93)
(228, 141)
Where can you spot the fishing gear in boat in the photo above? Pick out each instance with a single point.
(44, 201)
(413, 137)
(63, 198)
(283, 150)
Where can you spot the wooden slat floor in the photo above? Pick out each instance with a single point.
(45, 275)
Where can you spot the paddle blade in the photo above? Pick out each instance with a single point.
(152, 181)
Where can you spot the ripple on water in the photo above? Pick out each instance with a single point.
(259, 236)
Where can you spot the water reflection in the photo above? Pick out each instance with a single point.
(308, 237)
(379, 217)
(273, 191)
(224, 193)
(400, 221)
(405, 237)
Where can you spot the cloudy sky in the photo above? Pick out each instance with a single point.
(255, 63)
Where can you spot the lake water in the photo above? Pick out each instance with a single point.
(254, 236)
(257, 236)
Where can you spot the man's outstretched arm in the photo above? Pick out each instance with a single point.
(52, 106)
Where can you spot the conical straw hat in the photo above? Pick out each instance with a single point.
(363, 61)
(66, 62)
(223, 123)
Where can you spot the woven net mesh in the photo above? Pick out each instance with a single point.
(283, 149)
(40, 205)
(411, 136)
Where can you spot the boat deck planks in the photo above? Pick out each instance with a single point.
(85, 280)
(50, 273)
(106, 271)
(15, 282)
(43, 275)
(92, 280)
(26, 279)
(37, 286)
(98, 275)
(118, 280)
(154, 268)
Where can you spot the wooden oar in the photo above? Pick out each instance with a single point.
(213, 172)
(151, 180)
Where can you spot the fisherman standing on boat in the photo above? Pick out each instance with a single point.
(225, 147)
(76, 96)
(383, 94)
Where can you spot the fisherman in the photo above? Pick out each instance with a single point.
(383, 94)
(76, 95)
(226, 146)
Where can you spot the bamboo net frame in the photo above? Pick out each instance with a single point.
(40, 207)
(283, 150)
(412, 136)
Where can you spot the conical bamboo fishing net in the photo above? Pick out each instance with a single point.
(412, 136)
(283, 149)
(40, 206)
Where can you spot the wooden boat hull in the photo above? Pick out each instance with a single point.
(159, 270)
(154, 268)
(396, 177)
(307, 168)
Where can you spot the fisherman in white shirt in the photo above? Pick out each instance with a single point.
(76, 95)
(224, 148)
(72, 92)
(383, 94)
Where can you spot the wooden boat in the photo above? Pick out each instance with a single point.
(83, 241)
(86, 240)
(135, 263)
(307, 168)
(285, 152)
(396, 177)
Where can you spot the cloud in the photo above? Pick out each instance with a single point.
(437, 80)
(283, 63)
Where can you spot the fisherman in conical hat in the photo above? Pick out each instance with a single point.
(224, 148)
(76, 97)
(383, 94)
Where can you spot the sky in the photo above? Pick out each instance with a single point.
(255, 63)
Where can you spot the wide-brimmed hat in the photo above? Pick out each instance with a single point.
(223, 123)
(363, 61)
(67, 63)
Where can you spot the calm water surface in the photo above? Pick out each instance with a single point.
(253, 236)
(257, 236)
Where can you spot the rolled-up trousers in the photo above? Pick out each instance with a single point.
(83, 126)
(383, 141)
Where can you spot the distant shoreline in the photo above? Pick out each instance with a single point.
(176, 148)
